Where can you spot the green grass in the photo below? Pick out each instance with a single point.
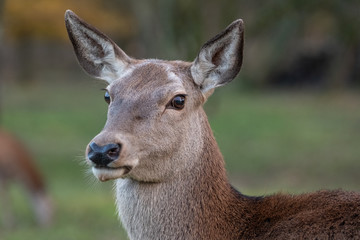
(272, 141)
(294, 142)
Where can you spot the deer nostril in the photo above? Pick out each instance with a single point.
(103, 155)
(114, 152)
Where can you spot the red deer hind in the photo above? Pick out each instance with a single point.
(159, 148)
(16, 165)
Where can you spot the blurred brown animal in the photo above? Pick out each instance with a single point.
(169, 173)
(16, 165)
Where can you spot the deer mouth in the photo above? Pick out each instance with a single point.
(108, 173)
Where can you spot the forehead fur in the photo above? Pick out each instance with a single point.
(151, 75)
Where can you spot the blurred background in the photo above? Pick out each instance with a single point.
(290, 122)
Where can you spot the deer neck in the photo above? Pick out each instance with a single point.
(185, 205)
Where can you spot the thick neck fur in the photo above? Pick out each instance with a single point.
(198, 203)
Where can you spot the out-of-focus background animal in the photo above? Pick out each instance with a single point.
(17, 166)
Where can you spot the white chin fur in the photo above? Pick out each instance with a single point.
(105, 174)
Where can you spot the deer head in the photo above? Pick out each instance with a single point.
(156, 127)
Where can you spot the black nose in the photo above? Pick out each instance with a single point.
(103, 155)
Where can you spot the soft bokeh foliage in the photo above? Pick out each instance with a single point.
(291, 43)
(43, 19)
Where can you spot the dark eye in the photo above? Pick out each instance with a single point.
(107, 97)
(178, 102)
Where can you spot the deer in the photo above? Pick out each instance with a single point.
(17, 166)
(158, 147)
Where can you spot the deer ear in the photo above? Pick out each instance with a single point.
(99, 56)
(220, 59)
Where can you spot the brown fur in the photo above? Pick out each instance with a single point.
(16, 165)
(170, 177)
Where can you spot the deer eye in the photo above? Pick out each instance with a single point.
(107, 97)
(178, 102)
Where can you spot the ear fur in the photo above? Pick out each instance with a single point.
(99, 56)
(220, 59)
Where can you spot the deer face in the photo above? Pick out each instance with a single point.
(149, 109)
(155, 122)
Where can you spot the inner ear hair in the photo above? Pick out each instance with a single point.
(99, 56)
(220, 59)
